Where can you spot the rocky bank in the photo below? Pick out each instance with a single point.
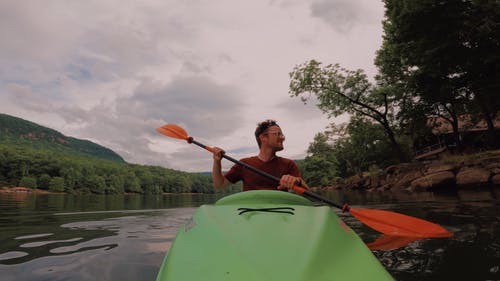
(450, 174)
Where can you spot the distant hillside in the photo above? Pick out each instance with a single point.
(20, 132)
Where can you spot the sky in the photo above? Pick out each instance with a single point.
(111, 71)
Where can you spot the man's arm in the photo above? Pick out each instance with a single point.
(218, 179)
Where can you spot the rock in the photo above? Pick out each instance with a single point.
(406, 180)
(439, 168)
(391, 170)
(354, 182)
(489, 160)
(464, 170)
(385, 187)
(495, 179)
(472, 176)
(433, 181)
(494, 168)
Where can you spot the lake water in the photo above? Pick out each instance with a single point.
(65, 237)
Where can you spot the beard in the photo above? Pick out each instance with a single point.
(278, 148)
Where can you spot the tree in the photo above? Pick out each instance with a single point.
(149, 184)
(96, 184)
(320, 167)
(481, 37)
(359, 145)
(71, 177)
(444, 55)
(422, 37)
(132, 183)
(344, 91)
(115, 184)
(44, 181)
(56, 184)
(28, 181)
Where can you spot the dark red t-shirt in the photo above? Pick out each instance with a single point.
(278, 166)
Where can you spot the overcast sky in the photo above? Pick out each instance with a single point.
(111, 71)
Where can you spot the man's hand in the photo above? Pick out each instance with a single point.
(218, 152)
(288, 181)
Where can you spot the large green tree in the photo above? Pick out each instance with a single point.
(443, 56)
(482, 39)
(340, 91)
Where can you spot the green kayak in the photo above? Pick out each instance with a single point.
(268, 236)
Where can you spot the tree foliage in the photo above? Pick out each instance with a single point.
(346, 150)
(23, 166)
(444, 57)
(28, 181)
(320, 167)
(340, 91)
(438, 58)
(56, 184)
(18, 131)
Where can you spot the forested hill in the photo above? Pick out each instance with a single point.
(17, 131)
(37, 157)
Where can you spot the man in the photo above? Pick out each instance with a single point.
(270, 140)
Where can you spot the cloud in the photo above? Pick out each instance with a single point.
(192, 102)
(295, 109)
(112, 71)
(24, 96)
(127, 125)
(342, 15)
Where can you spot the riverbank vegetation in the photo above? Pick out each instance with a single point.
(64, 172)
(41, 158)
(436, 90)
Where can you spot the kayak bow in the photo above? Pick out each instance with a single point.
(268, 235)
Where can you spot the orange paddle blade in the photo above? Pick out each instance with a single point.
(395, 224)
(388, 242)
(173, 131)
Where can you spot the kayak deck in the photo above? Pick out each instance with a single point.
(268, 235)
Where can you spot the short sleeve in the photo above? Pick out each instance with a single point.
(234, 174)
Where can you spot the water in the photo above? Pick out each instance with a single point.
(64, 237)
(472, 254)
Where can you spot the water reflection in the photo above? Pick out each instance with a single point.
(43, 244)
(473, 253)
(389, 242)
(126, 245)
(64, 237)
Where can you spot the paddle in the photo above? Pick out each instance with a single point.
(389, 242)
(386, 222)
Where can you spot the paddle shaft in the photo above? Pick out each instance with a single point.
(297, 189)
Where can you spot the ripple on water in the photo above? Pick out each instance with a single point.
(33, 236)
(43, 243)
(80, 248)
(12, 255)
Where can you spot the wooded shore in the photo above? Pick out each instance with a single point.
(481, 170)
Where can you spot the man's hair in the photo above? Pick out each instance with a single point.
(262, 128)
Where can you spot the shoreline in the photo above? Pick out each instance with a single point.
(27, 190)
(460, 172)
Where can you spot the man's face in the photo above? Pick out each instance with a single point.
(275, 137)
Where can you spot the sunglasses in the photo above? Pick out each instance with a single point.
(278, 134)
